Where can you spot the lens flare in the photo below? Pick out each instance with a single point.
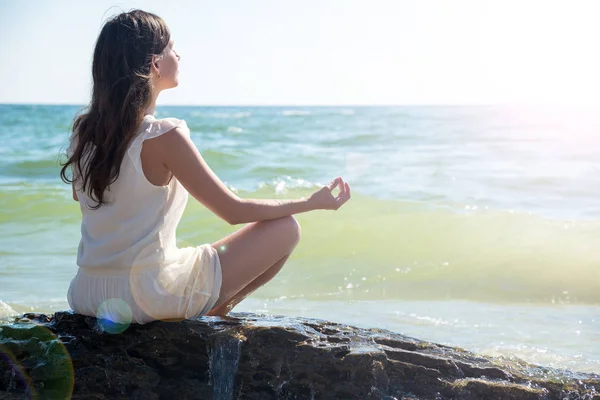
(114, 315)
(18, 378)
(50, 366)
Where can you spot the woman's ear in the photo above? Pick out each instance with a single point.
(155, 68)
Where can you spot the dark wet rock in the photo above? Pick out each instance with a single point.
(256, 357)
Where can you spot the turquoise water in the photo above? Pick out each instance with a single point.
(470, 226)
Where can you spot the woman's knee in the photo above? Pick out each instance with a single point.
(289, 228)
(295, 229)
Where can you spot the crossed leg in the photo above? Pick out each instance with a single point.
(252, 256)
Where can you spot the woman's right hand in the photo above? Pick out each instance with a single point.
(323, 198)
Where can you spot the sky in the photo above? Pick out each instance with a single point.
(321, 52)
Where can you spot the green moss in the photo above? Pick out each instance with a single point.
(26, 331)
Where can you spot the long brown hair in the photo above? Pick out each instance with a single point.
(122, 91)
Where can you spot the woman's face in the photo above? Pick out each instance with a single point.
(167, 64)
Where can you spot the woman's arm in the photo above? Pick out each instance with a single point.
(179, 154)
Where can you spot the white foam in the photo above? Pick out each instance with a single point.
(289, 113)
(6, 310)
(283, 184)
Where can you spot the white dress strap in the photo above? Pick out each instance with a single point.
(151, 128)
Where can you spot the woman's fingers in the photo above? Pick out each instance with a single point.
(344, 194)
(342, 187)
(343, 190)
(333, 184)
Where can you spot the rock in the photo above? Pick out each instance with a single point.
(255, 357)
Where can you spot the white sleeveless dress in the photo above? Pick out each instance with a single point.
(130, 268)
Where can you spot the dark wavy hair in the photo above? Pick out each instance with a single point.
(122, 91)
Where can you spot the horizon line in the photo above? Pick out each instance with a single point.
(516, 104)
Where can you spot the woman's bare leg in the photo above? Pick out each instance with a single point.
(265, 277)
(252, 256)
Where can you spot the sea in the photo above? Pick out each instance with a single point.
(469, 226)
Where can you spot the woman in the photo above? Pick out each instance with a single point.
(132, 174)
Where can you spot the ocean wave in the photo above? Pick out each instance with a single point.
(33, 167)
(35, 204)
(221, 115)
(284, 184)
(356, 140)
(234, 129)
(385, 249)
(6, 310)
(375, 249)
(295, 113)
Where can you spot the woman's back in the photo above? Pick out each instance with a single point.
(136, 227)
(131, 269)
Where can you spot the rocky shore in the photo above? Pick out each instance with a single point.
(255, 357)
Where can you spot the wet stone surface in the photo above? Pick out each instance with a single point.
(255, 357)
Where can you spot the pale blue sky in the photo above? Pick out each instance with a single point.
(321, 52)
